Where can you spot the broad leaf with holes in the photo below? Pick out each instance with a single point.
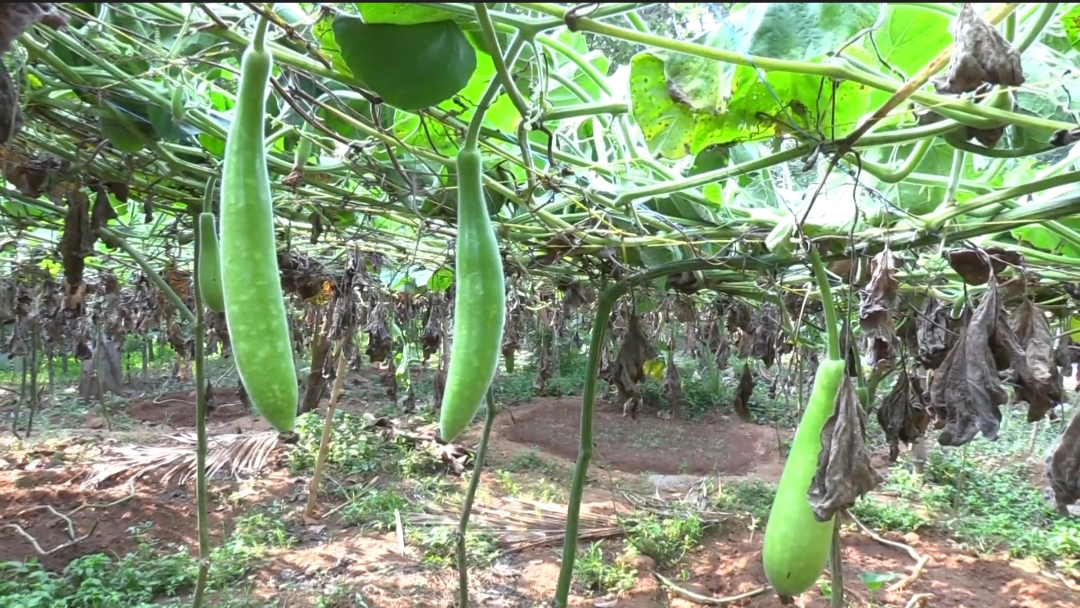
(684, 104)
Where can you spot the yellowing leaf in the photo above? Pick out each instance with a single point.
(654, 368)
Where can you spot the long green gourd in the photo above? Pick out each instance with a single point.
(254, 302)
(479, 300)
(796, 546)
(210, 263)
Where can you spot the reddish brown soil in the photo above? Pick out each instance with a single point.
(719, 445)
(730, 564)
(177, 409)
(727, 563)
(170, 512)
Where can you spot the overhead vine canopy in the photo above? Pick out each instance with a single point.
(778, 122)
(924, 151)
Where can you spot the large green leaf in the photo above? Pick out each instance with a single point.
(409, 66)
(684, 104)
(1048, 92)
(324, 34)
(911, 37)
(501, 113)
(799, 31)
(1070, 22)
(668, 125)
(127, 131)
(400, 13)
(711, 160)
(756, 187)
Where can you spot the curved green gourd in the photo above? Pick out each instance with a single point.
(254, 302)
(479, 302)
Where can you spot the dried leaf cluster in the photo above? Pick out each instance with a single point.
(16, 18)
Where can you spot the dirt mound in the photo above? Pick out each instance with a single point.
(718, 446)
(177, 409)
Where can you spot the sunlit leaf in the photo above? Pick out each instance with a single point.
(409, 66)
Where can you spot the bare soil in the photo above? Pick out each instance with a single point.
(718, 445)
(727, 563)
(177, 409)
(107, 512)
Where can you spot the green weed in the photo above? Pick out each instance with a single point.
(599, 575)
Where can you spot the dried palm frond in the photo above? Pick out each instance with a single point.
(240, 454)
(520, 524)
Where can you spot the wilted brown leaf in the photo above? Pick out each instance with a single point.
(380, 344)
(17, 17)
(967, 384)
(932, 333)
(851, 272)
(1062, 466)
(75, 244)
(11, 116)
(628, 369)
(738, 316)
(745, 392)
(687, 283)
(1038, 380)
(875, 311)
(121, 190)
(986, 137)
(100, 215)
(765, 333)
(903, 415)
(684, 310)
(974, 265)
(843, 470)
(980, 56)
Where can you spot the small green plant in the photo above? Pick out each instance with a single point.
(754, 496)
(533, 462)
(439, 544)
(889, 517)
(665, 539)
(353, 448)
(874, 581)
(599, 576)
(375, 509)
(134, 579)
(339, 596)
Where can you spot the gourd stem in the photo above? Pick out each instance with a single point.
(472, 136)
(502, 73)
(826, 303)
(201, 498)
(258, 42)
(1036, 29)
(588, 401)
(836, 567)
(470, 494)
